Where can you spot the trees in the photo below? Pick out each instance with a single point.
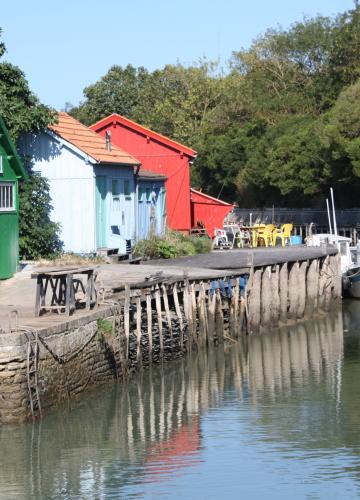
(273, 128)
(22, 112)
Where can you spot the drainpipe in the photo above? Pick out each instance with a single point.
(136, 201)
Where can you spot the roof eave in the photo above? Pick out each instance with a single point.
(15, 161)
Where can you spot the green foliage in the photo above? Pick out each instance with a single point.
(105, 326)
(38, 235)
(173, 244)
(22, 112)
(278, 127)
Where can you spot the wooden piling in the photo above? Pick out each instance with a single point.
(179, 315)
(201, 307)
(219, 317)
(253, 300)
(159, 318)
(293, 291)
(312, 284)
(302, 290)
(127, 318)
(211, 315)
(236, 296)
(138, 330)
(193, 312)
(283, 291)
(265, 296)
(149, 324)
(167, 309)
(275, 297)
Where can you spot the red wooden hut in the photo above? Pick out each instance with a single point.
(158, 154)
(208, 211)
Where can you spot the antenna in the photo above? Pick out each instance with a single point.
(333, 209)
(328, 212)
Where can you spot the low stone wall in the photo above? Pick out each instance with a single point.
(160, 322)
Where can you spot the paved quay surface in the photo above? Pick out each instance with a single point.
(18, 293)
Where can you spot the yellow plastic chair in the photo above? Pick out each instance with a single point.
(254, 233)
(284, 233)
(266, 233)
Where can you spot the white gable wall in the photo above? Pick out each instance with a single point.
(72, 189)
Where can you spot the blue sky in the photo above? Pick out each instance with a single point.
(64, 46)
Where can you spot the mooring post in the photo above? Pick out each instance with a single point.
(159, 318)
(302, 290)
(293, 290)
(265, 296)
(275, 298)
(312, 284)
(149, 324)
(127, 319)
(193, 312)
(236, 296)
(167, 309)
(284, 291)
(219, 317)
(179, 315)
(138, 331)
(211, 315)
(253, 300)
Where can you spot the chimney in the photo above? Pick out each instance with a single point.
(108, 140)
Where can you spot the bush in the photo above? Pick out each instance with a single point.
(38, 234)
(173, 244)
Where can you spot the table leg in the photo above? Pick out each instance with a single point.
(68, 294)
(38, 295)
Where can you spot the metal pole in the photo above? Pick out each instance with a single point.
(333, 208)
(328, 212)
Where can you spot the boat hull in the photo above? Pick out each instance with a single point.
(351, 283)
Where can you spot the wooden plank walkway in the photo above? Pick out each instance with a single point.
(18, 293)
(242, 259)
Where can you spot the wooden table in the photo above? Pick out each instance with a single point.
(65, 284)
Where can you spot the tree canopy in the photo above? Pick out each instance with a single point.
(280, 125)
(23, 112)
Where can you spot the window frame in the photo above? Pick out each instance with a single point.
(8, 184)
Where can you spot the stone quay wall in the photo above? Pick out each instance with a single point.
(40, 368)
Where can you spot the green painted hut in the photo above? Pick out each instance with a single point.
(11, 170)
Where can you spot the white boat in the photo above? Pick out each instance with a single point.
(349, 260)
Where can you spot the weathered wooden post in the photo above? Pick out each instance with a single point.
(219, 317)
(159, 318)
(149, 324)
(167, 310)
(284, 291)
(302, 289)
(138, 331)
(275, 298)
(312, 283)
(266, 296)
(127, 319)
(293, 290)
(253, 300)
(211, 315)
(179, 315)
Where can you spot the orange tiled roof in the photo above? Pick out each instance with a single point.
(90, 142)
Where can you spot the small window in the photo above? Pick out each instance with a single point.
(127, 191)
(1, 165)
(148, 194)
(7, 197)
(141, 193)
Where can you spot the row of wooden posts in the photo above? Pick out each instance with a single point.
(207, 311)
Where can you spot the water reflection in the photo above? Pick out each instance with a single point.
(287, 394)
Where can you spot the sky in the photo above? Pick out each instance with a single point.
(64, 46)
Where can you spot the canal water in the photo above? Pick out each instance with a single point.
(273, 416)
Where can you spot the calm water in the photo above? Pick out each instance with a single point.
(273, 416)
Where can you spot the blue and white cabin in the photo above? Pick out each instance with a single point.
(92, 185)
